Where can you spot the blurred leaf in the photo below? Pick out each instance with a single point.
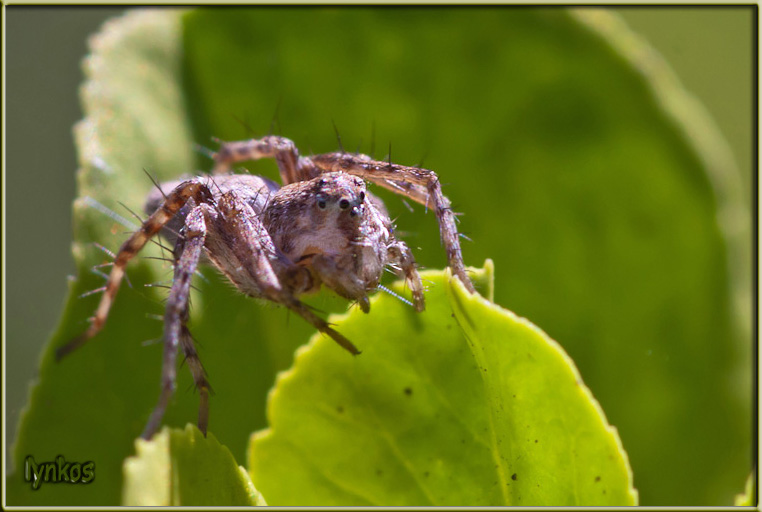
(476, 408)
(181, 467)
(749, 496)
(574, 173)
(91, 406)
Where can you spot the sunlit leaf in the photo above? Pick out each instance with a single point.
(478, 407)
(181, 467)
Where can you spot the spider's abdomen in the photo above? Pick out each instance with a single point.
(254, 190)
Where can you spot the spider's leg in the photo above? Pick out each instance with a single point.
(198, 373)
(401, 254)
(420, 185)
(292, 167)
(191, 355)
(175, 200)
(175, 317)
(321, 325)
(275, 277)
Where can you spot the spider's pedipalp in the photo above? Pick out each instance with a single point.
(400, 253)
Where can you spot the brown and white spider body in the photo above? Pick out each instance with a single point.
(321, 228)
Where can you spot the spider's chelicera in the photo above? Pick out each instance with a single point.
(321, 228)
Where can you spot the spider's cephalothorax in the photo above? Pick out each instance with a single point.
(321, 228)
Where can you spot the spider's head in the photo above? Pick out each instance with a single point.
(339, 193)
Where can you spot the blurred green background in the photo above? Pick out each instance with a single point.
(709, 48)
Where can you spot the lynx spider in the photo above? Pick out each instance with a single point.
(278, 242)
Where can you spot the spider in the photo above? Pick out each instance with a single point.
(322, 227)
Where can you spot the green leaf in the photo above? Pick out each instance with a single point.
(475, 408)
(181, 467)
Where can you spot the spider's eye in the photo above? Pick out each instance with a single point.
(321, 204)
(362, 196)
(344, 204)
